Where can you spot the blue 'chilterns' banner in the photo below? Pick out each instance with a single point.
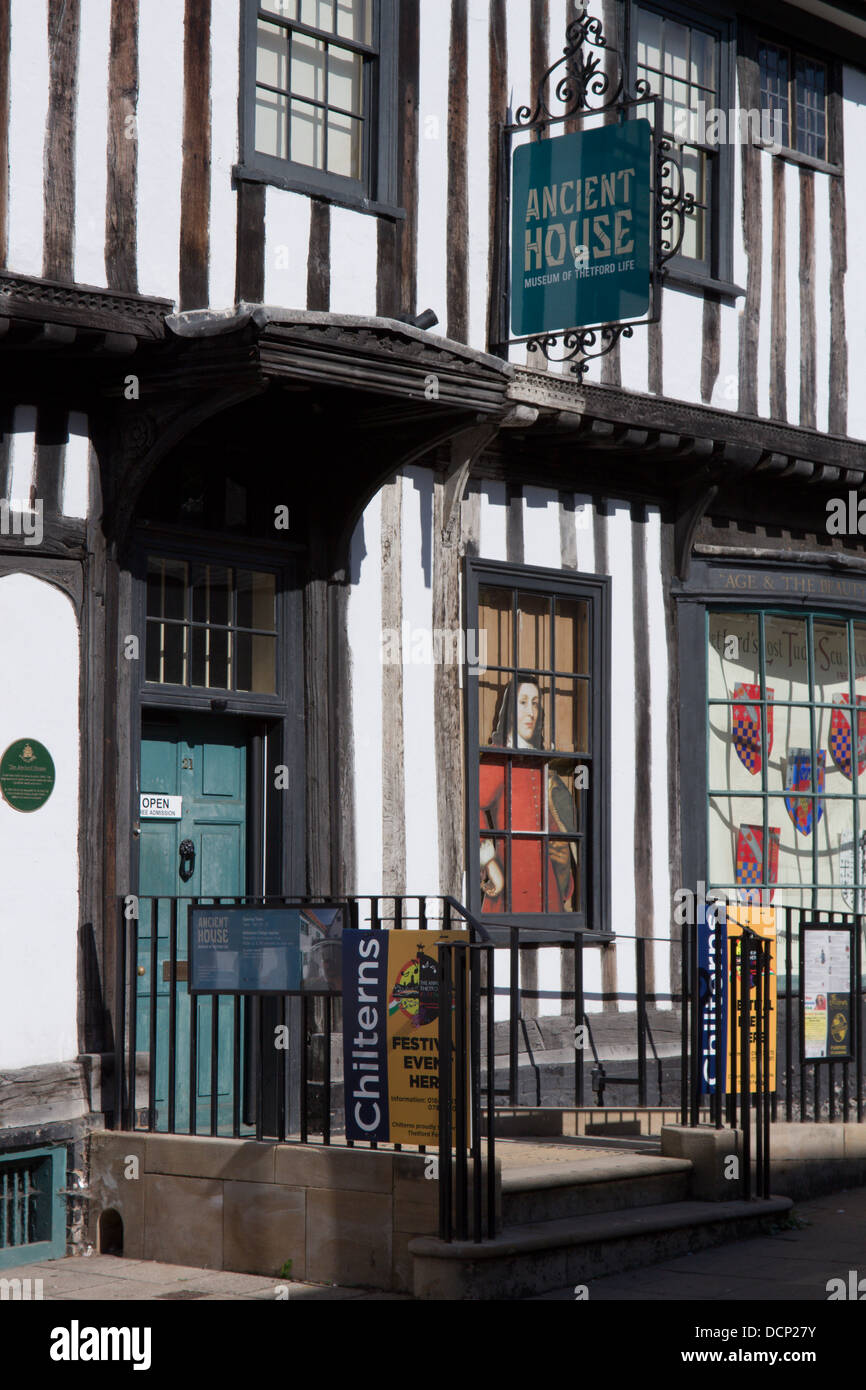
(712, 981)
(581, 229)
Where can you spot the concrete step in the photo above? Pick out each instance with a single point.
(591, 1185)
(540, 1256)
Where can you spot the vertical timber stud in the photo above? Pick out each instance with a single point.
(838, 417)
(808, 330)
(779, 300)
(121, 230)
(457, 281)
(319, 257)
(409, 76)
(498, 173)
(749, 86)
(59, 163)
(195, 176)
(250, 262)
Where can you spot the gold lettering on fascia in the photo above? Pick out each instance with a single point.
(802, 584)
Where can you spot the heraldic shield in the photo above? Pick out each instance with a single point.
(746, 725)
(750, 863)
(798, 778)
(840, 735)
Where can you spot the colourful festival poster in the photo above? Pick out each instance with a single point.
(391, 1034)
(762, 921)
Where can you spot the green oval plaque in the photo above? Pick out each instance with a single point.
(26, 774)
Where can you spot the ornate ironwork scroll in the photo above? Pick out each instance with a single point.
(583, 85)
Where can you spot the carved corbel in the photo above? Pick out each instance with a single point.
(466, 447)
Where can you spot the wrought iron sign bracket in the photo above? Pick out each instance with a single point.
(582, 86)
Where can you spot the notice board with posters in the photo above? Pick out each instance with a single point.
(391, 1034)
(826, 992)
(762, 921)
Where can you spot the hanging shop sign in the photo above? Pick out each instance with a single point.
(27, 775)
(596, 211)
(581, 237)
(762, 921)
(827, 992)
(391, 1034)
(265, 950)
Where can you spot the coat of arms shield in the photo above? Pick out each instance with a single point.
(804, 809)
(746, 725)
(841, 739)
(750, 872)
(846, 871)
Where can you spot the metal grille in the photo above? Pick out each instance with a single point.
(19, 1203)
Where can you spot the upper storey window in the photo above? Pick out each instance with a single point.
(795, 86)
(319, 97)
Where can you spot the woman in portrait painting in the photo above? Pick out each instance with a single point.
(540, 801)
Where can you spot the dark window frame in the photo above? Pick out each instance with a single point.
(594, 920)
(715, 270)
(377, 190)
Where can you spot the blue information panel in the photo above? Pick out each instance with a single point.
(581, 229)
(713, 997)
(265, 950)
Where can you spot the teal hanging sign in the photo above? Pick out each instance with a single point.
(581, 229)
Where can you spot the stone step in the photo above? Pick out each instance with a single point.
(588, 1186)
(537, 1257)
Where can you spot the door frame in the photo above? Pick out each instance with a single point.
(276, 857)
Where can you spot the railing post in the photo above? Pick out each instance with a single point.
(489, 956)
(745, 1062)
(513, 1014)
(475, 1086)
(694, 992)
(640, 965)
(119, 1017)
(578, 1017)
(685, 1070)
(444, 965)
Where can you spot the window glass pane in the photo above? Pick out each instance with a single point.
(286, 9)
(272, 124)
(571, 635)
(572, 715)
(533, 711)
(733, 654)
(495, 619)
(256, 600)
(198, 656)
(736, 748)
(694, 164)
(495, 713)
(307, 135)
(567, 784)
(786, 658)
(344, 145)
(702, 66)
(830, 661)
(676, 40)
(493, 869)
(564, 859)
(256, 668)
(272, 53)
(735, 857)
(308, 67)
(811, 108)
(172, 638)
(345, 80)
(792, 746)
(533, 631)
(774, 69)
(354, 20)
(319, 14)
(153, 649)
(649, 40)
(218, 659)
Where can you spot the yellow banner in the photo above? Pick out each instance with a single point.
(413, 1035)
(762, 921)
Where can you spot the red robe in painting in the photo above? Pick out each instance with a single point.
(528, 792)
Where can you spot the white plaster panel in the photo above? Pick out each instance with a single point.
(76, 467)
(493, 519)
(39, 849)
(353, 262)
(22, 456)
(854, 119)
(433, 161)
(91, 139)
(160, 147)
(225, 79)
(28, 110)
(419, 713)
(364, 623)
(287, 248)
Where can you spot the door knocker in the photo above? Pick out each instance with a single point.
(187, 860)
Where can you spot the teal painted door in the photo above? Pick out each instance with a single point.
(202, 760)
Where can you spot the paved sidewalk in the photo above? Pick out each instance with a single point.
(109, 1279)
(791, 1266)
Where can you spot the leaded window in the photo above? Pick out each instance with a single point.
(795, 86)
(787, 758)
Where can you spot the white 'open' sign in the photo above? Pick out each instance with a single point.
(155, 806)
